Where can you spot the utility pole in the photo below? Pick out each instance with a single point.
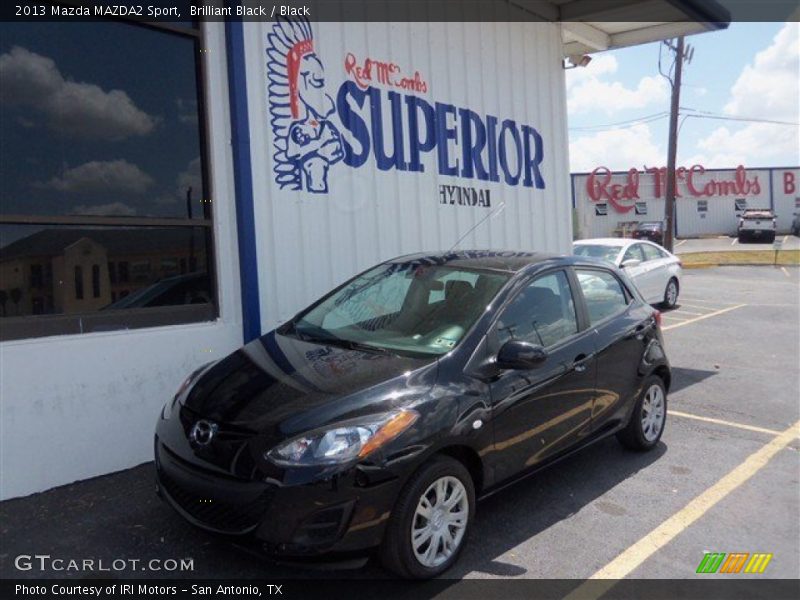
(672, 150)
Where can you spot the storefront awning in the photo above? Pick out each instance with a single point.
(596, 25)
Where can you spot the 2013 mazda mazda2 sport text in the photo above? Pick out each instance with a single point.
(375, 418)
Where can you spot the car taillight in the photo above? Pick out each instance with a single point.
(657, 317)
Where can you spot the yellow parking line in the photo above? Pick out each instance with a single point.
(703, 307)
(688, 312)
(632, 557)
(734, 241)
(681, 243)
(676, 413)
(707, 316)
(701, 301)
(786, 237)
(674, 318)
(785, 272)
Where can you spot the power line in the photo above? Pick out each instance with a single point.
(622, 124)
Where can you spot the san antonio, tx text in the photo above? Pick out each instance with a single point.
(130, 589)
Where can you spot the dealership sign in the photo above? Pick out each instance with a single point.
(603, 186)
(378, 116)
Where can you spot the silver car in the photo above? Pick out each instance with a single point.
(656, 272)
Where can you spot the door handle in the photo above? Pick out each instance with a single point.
(638, 331)
(579, 364)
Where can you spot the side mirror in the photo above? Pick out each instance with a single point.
(631, 262)
(515, 354)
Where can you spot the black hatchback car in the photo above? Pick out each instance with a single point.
(375, 418)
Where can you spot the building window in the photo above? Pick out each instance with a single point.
(96, 281)
(103, 163)
(78, 283)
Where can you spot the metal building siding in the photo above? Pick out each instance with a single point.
(785, 196)
(720, 218)
(307, 243)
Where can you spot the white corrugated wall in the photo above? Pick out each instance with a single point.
(307, 243)
(786, 196)
(720, 214)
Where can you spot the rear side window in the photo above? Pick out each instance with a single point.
(634, 252)
(543, 313)
(651, 252)
(603, 293)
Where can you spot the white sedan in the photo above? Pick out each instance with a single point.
(656, 272)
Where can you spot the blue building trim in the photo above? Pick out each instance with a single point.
(243, 180)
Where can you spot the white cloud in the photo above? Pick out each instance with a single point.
(617, 149)
(588, 90)
(611, 97)
(757, 144)
(768, 88)
(112, 209)
(114, 177)
(84, 109)
(600, 65)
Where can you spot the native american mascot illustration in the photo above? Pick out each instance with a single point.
(306, 143)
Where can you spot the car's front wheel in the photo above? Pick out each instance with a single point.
(649, 417)
(431, 520)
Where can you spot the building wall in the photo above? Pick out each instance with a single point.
(79, 406)
(786, 196)
(709, 201)
(308, 241)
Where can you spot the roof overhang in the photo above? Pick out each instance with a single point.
(595, 25)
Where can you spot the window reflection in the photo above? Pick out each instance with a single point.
(77, 270)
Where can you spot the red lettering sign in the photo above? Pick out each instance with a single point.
(383, 73)
(789, 186)
(599, 185)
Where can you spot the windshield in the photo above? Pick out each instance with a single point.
(608, 253)
(405, 307)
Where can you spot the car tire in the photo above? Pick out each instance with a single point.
(645, 428)
(397, 552)
(771, 238)
(741, 237)
(671, 294)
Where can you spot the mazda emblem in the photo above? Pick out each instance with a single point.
(202, 432)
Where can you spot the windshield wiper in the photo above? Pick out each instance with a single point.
(364, 347)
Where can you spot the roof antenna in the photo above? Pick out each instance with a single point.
(500, 207)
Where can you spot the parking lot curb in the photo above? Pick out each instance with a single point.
(727, 264)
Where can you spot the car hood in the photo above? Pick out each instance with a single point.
(282, 386)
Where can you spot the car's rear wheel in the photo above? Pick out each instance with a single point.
(431, 520)
(670, 294)
(649, 417)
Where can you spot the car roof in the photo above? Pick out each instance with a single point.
(619, 242)
(511, 261)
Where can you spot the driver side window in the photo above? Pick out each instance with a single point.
(543, 313)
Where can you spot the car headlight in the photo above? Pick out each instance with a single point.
(169, 405)
(344, 443)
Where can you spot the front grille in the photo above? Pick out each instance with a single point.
(221, 515)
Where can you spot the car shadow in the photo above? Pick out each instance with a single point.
(119, 516)
(683, 378)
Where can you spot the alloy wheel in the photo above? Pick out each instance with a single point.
(672, 293)
(653, 412)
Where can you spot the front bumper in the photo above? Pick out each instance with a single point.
(295, 517)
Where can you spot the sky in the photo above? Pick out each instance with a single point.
(618, 106)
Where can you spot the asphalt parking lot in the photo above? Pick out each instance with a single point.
(723, 479)
(726, 243)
